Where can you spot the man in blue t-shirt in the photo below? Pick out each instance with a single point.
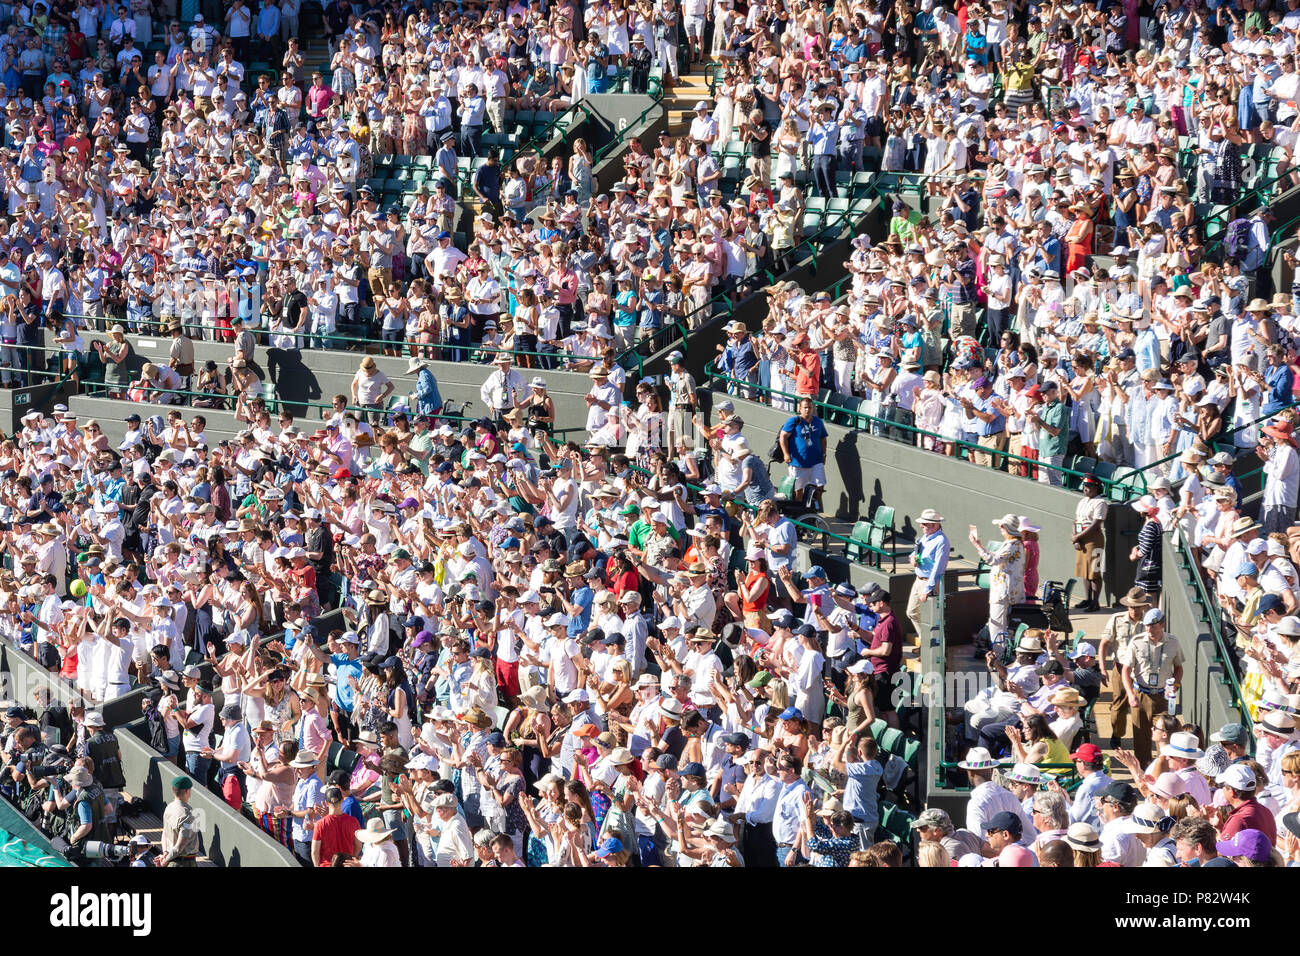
(803, 443)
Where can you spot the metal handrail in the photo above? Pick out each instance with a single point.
(860, 418)
(441, 346)
(1212, 620)
(825, 534)
(1220, 439)
(657, 98)
(92, 389)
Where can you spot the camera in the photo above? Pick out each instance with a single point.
(92, 850)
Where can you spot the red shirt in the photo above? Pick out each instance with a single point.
(888, 632)
(808, 373)
(335, 833)
(1251, 815)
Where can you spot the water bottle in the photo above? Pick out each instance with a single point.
(1171, 696)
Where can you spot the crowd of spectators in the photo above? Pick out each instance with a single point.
(478, 613)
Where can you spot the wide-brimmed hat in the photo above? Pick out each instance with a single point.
(1029, 644)
(1183, 745)
(375, 831)
(1009, 524)
(1082, 836)
(671, 707)
(1025, 773)
(1276, 722)
(476, 718)
(978, 758)
(929, 516)
(1136, 597)
(305, 758)
(1067, 697)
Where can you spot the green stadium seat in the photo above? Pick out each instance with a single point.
(891, 741)
(882, 527)
(860, 535)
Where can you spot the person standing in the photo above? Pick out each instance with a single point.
(1119, 632)
(824, 137)
(803, 443)
(504, 389)
(1152, 658)
(180, 833)
(1052, 419)
(684, 401)
(1089, 541)
(1007, 574)
(1277, 449)
(929, 559)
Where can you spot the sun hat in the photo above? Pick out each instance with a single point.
(1082, 836)
(1182, 745)
(978, 758)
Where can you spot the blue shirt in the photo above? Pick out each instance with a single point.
(932, 558)
(788, 818)
(738, 360)
(344, 667)
(306, 793)
(1083, 811)
(1147, 350)
(861, 794)
(993, 427)
(352, 807)
(583, 597)
(806, 445)
(1280, 381)
(823, 137)
(830, 850)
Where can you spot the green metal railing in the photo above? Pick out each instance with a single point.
(1212, 619)
(628, 360)
(1116, 490)
(1222, 442)
(270, 399)
(804, 530)
(704, 316)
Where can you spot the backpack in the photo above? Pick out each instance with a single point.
(1237, 238)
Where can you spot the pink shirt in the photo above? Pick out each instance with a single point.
(318, 98)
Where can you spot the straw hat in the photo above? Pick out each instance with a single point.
(375, 831)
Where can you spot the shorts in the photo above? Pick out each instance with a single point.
(803, 477)
(695, 27)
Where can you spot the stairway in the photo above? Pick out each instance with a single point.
(680, 99)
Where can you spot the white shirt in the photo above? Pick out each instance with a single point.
(454, 842)
(986, 801)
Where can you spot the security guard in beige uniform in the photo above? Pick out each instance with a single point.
(1150, 659)
(180, 832)
(1119, 631)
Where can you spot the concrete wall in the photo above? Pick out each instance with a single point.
(228, 838)
(1206, 696)
(317, 376)
(864, 472)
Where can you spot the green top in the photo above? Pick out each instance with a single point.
(1056, 415)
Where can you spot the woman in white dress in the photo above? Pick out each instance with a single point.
(619, 41)
(788, 147)
(1108, 434)
(724, 111)
(1085, 400)
(1247, 408)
